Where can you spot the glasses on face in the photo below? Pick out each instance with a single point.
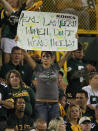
(17, 53)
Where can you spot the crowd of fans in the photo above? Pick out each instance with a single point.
(34, 95)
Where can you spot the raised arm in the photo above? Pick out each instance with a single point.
(29, 3)
(7, 6)
(63, 59)
(33, 5)
(28, 58)
(65, 56)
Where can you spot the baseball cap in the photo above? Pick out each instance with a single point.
(70, 96)
(84, 119)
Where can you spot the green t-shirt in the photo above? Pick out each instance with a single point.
(20, 124)
(25, 71)
(28, 95)
(9, 23)
(8, 30)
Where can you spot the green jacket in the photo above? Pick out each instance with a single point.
(27, 93)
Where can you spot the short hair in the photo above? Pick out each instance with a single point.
(82, 92)
(15, 48)
(61, 73)
(80, 47)
(61, 96)
(92, 75)
(55, 123)
(47, 53)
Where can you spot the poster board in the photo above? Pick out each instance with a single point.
(47, 31)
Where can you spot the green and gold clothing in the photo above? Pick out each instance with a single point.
(9, 23)
(9, 28)
(28, 95)
(62, 111)
(25, 71)
(72, 127)
(20, 124)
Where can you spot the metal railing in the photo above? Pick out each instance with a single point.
(88, 15)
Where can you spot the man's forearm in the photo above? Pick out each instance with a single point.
(64, 58)
(7, 6)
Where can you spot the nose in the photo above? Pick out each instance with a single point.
(87, 124)
(14, 77)
(45, 57)
(74, 112)
(22, 105)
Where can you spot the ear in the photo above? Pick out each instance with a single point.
(86, 99)
(89, 81)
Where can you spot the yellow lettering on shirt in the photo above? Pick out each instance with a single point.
(21, 94)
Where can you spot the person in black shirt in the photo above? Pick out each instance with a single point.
(95, 121)
(81, 100)
(19, 119)
(4, 105)
(77, 71)
(9, 21)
